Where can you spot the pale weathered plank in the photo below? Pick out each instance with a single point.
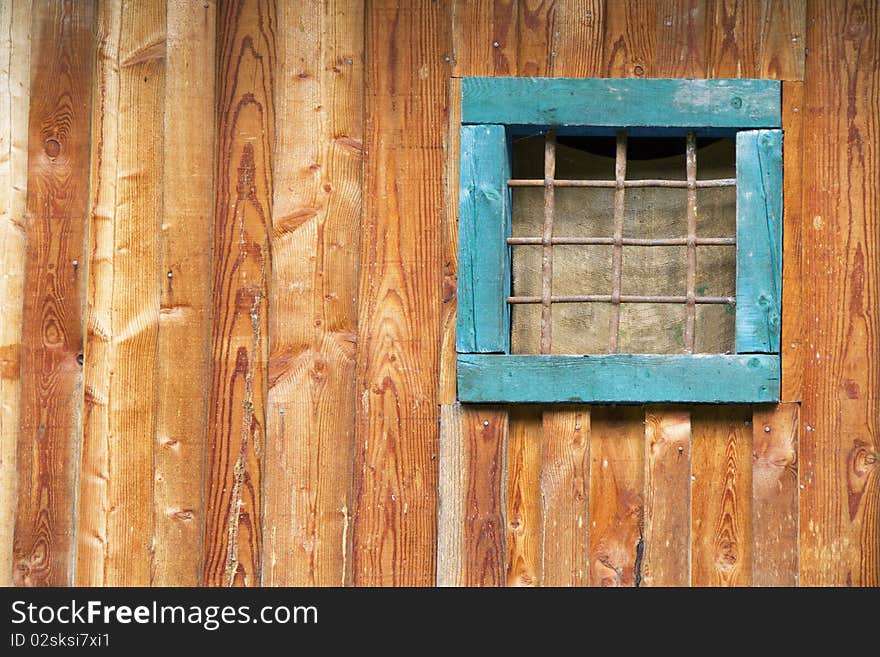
(792, 345)
(523, 513)
(452, 471)
(775, 496)
(565, 489)
(666, 559)
(783, 39)
(616, 492)
(313, 293)
(52, 321)
(184, 316)
(399, 308)
(243, 187)
(93, 489)
(721, 496)
(840, 443)
(15, 53)
(734, 28)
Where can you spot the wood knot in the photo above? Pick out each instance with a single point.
(52, 148)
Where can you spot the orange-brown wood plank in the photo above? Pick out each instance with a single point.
(783, 39)
(578, 39)
(91, 554)
(185, 270)
(534, 37)
(682, 35)
(447, 392)
(666, 560)
(721, 496)
(839, 444)
(484, 34)
(565, 489)
(243, 187)
(630, 39)
(399, 305)
(523, 513)
(794, 351)
(617, 476)
(775, 496)
(52, 342)
(15, 37)
(734, 29)
(313, 301)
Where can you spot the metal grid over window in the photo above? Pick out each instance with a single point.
(617, 241)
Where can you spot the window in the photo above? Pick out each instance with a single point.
(619, 240)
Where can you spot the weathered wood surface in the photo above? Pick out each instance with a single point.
(15, 49)
(243, 187)
(721, 496)
(839, 445)
(666, 560)
(313, 294)
(525, 501)
(52, 344)
(775, 496)
(399, 309)
(185, 272)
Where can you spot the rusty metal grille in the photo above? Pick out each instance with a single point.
(617, 241)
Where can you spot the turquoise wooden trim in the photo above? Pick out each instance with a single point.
(483, 227)
(758, 241)
(622, 102)
(623, 378)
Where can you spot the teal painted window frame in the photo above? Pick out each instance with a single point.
(494, 109)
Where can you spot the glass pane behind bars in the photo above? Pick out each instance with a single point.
(649, 213)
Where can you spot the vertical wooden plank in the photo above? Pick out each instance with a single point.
(135, 299)
(578, 39)
(448, 322)
(93, 491)
(524, 513)
(565, 490)
(792, 347)
(667, 521)
(721, 496)
(534, 37)
(758, 241)
(184, 328)
(484, 223)
(630, 39)
(783, 39)
(313, 302)
(52, 343)
(484, 37)
(616, 483)
(451, 498)
(15, 53)
(840, 442)
(239, 347)
(734, 29)
(682, 38)
(775, 496)
(399, 309)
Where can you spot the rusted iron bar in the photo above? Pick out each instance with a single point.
(624, 298)
(617, 248)
(691, 318)
(626, 241)
(547, 259)
(648, 182)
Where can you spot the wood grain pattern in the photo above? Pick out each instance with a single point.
(616, 495)
(93, 491)
(840, 441)
(792, 346)
(775, 496)
(184, 320)
(450, 497)
(721, 496)
(565, 489)
(682, 38)
(578, 37)
(246, 68)
(783, 39)
(448, 355)
(484, 37)
(15, 49)
(524, 499)
(52, 342)
(666, 560)
(536, 24)
(313, 303)
(630, 42)
(399, 308)
(734, 47)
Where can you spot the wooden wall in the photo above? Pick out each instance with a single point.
(228, 254)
